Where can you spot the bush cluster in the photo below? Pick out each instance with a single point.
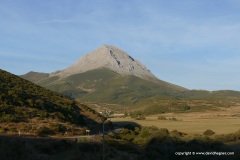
(160, 143)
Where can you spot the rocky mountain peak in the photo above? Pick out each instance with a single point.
(110, 57)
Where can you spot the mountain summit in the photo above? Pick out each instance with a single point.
(107, 75)
(109, 57)
(108, 78)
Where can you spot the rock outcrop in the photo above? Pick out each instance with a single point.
(109, 57)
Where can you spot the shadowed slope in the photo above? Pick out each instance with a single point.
(30, 108)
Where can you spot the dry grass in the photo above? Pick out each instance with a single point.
(227, 120)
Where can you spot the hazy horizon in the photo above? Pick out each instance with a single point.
(193, 44)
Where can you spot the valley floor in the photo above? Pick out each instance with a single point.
(225, 121)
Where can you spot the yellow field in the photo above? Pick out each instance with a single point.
(221, 122)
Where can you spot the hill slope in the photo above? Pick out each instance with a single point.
(109, 75)
(34, 76)
(30, 108)
(105, 86)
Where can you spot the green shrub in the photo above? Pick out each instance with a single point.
(173, 119)
(113, 135)
(144, 135)
(208, 132)
(237, 135)
(9, 118)
(141, 117)
(162, 118)
(124, 134)
(227, 137)
(137, 130)
(58, 128)
(147, 131)
(176, 133)
(44, 131)
(186, 108)
(42, 114)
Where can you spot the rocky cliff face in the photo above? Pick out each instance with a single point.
(109, 57)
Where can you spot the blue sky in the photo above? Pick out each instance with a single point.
(192, 43)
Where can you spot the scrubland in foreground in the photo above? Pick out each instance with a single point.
(133, 143)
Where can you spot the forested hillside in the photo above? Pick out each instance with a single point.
(31, 108)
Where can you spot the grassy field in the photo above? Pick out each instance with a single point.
(224, 121)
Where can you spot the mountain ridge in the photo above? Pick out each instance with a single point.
(35, 76)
